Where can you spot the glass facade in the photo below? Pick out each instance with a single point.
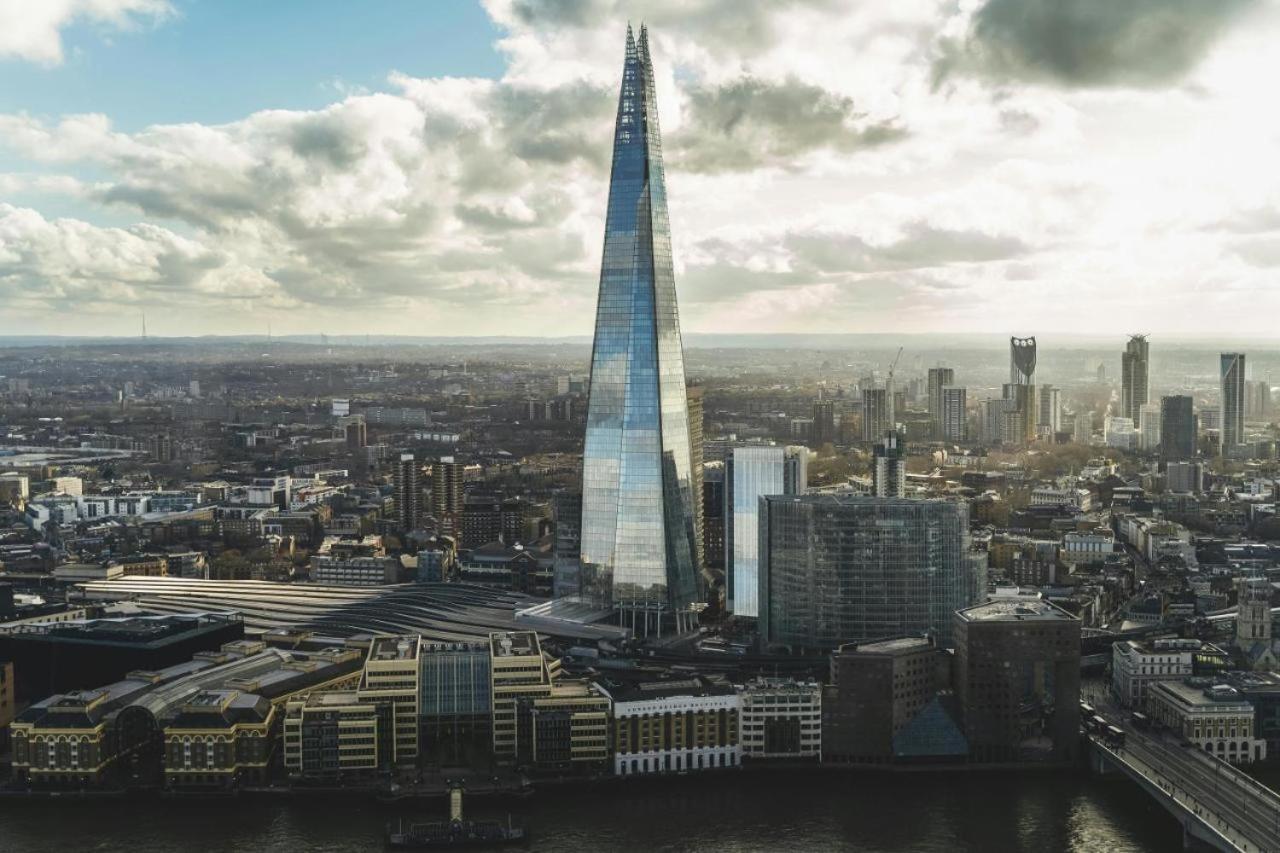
(638, 528)
(1232, 403)
(752, 472)
(839, 569)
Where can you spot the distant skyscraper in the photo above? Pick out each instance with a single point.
(1177, 429)
(993, 412)
(888, 468)
(1257, 399)
(694, 393)
(1082, 427)
(447, 496)
(875, 413)
(566, 568)
(1134, 365)
(1149, 426)
(638, 518)
(1231, 371)
(824, 423)
(1050, 416)
(1022, 361)
(955, 414)
(405, 486)
(939, 378)
(750, 474)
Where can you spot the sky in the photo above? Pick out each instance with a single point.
(426, 167)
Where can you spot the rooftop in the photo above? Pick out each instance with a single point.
(897, 646)
(514, 644)
(1015, 610)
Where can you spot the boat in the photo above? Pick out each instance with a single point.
(456, 832)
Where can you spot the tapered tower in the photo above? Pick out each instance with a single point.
(638, 540)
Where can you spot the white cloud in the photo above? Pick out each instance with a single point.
(31, 30)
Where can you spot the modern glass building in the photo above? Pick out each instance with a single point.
(1135, 363)
(843, 568)
(1231, 435)
(638, 528)
(1177, 428)
(751, 473)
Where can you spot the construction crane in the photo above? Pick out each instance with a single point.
(888, 393)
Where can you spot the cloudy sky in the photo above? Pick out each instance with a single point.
(1030, 166)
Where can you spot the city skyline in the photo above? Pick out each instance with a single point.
(362, 195)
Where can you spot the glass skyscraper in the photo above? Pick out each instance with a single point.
(750, 474)
(638, 530)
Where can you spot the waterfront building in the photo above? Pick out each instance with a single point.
(751, 473)
(1137, 664)
(844, 568)
(391, 679)
(638, 518)
(565, 731)
(517, 668)
(674, 725)
(878, 688)
(781, 718)
(332, 736)
(1135, 365)
(210, 722)
(889, 468)
(1017, 665)
(938, 378)
(1231, 403)
(1214, 717)
(1177, 429)
(455, 704)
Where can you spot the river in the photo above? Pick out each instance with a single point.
(784, 811)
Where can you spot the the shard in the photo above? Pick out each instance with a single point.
(638, 539)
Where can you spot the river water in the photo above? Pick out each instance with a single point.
(784, 811)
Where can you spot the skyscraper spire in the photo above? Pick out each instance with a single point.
(638, 529)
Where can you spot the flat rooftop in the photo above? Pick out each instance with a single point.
(395, 648)
(1015, 610)
(897, 646)
(506, 644)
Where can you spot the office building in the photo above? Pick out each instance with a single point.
(713, 517)
(1137, 664)
(1177, 429)
(875, 414)
(889, 468)
(1022, 361)
(1134, 366)
(878, 688)
(836, 569)
(938, 378)
(1023, 414)
(1049, 421)
(955, 414)
(1231, 405)
(1082, 428)
(673, 725)
(1257, 399)
(1184, 477)
(517, 668)
(751, 473)
(391, 679)
(1149, 427)
(638, 516)
(1214, 717)
(1017, 665)
(488, 518)
(455, 704)
(993, 412)
(780, 718)
(824, 423)
(567, 514)
(408, 501)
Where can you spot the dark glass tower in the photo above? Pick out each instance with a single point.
(638, 545)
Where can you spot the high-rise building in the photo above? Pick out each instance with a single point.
(447, 496)
(824, 423)
(566, 508)
(1134, 365)
(993, 412)
(1257, 398)
(889, 468)
(405, 484)
(1149, 426)
(840, 568)
(694, 395)
(1082, 427)
(1050, 416)
(1177, 429)
(939, 378)
(1022, 361)
(955, 414)
(638, 518)
(751, 473)
(1231, 371)
(1017, 668)
(713, 522)
(1184, 477)
(875, 413)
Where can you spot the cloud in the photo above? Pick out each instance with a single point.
(31, 30)
(748, 123)
(1089, 42)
